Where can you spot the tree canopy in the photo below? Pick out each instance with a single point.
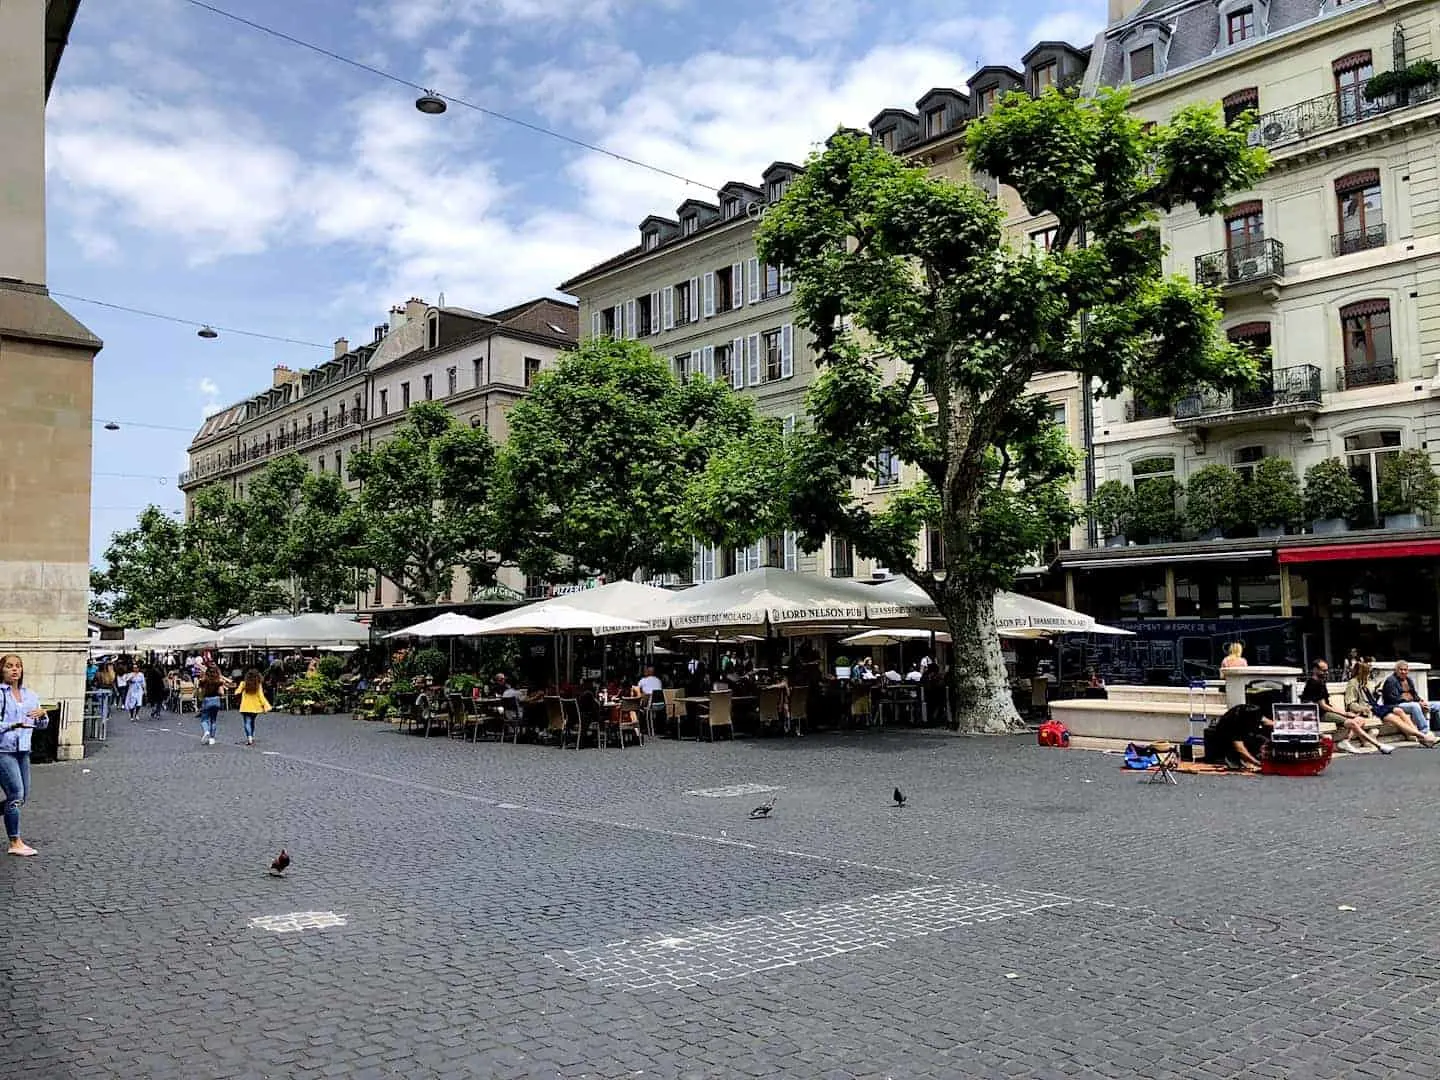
(425, 504)
(896, 270)
(594, 476)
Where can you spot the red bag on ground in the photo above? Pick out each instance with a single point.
(1053, 733)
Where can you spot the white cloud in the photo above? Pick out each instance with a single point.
(1078, 26)
(210, 391)
(411, 18)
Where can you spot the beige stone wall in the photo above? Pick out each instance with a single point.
(45, 437)
(22, 141)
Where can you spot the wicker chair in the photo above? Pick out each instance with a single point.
(717, 714)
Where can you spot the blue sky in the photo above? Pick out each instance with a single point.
(204, 170)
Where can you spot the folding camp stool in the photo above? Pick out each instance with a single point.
(1167, 757)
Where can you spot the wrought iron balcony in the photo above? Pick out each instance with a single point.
(1354, 376)
(1139, 409)
(1286, 390)
(1330, 112)
(1254, 263)
(1347, 243)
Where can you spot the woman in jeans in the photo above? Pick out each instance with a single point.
(20, 714)
(212, 685)
(252, 702)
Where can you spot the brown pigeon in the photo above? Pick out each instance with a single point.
(277, 868)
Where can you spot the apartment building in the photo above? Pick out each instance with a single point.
(1333, 265)
(694, 289)
(477, 364)
(46, 359)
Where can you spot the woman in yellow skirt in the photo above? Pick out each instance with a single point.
(252, 703)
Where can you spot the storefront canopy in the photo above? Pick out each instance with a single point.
(1385, 549)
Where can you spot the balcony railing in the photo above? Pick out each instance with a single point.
(1259, 260)
(1347, 243)
(1354, 376)
(1139, 409)
(1330, 112)
(1287, 389)
(279, 444)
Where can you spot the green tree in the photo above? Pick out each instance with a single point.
(425, 499)
(307, 535)
(600, 455)
(201, 570)
(892, 265)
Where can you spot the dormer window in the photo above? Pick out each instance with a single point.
(650, 241)
(1240, 25)
(432, 331)
(1045, 77)
(935, 122)
(985, 100)
(1142, 62)
(776, 189)
(689, 224)
(730, 207)
(887, 139)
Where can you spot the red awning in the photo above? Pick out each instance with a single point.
(1388, 549)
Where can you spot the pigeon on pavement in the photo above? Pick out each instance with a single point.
(899, 797)
(277, 868)
(763, 810)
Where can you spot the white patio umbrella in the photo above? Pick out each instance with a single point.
(772, 597)
(448, 624)
(628, 600)
(298, 631)
(901, 600)
(180, 636)
(553, 618)
(897, 636)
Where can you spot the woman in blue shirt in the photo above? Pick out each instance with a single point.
(20, 714)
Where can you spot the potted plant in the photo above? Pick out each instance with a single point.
(842, 667)
(1331, 496)
(1111, 509)
(1409, 489)
(1420, 74)
(1272, 497)
(1212, 501)
(1155, 519)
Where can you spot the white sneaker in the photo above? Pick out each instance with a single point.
(249, 741)
(1385, 749)
(210, 740)
(1347, 746)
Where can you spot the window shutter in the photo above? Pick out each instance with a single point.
(697, 562)
(668, 320)
(753, 271)
(619, 321)
(632, 328)
(595, 324)
(792, 553)
(784, 279)
(654, 326)
(709, 293)
(737, 363)
(752, 351)
(787, 351)
(692, 307)
(707, 361)
(737, 285)
(787, 425)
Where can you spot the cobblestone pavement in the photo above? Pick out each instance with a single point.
(460, 910)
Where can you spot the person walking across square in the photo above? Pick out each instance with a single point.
(253, 702)
(212, 685)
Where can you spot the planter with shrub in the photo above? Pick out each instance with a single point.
(1420, 75)
(1409, 489)
(1155, 519)
(1332, 496)
(1112, 509)
(1213, 501)
(1272, 497)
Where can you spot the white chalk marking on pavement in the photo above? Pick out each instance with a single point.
(297, 921)
(736, 948)
(732, 791)
(269, 753)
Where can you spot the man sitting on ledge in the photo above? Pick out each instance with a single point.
(1350, 726)
(1398, 692)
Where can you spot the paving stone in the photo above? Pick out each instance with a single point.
(518, 911)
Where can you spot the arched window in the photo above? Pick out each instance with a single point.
(1352, 71)
(1369, 359)
(432, 330)
(1360, 211)
(1240, 102)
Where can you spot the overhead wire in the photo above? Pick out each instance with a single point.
(528, 125)
(143, 424)
(188, 322)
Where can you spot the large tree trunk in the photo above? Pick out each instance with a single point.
(980, 701)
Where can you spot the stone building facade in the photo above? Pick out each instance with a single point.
(1332, 264)
(46, 367)
(477, 365)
